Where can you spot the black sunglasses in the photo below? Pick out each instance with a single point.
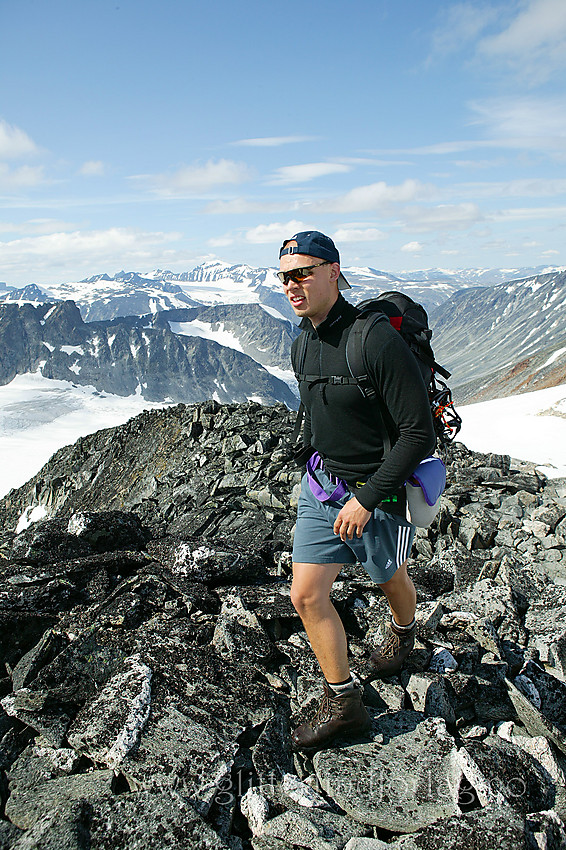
(298, 275)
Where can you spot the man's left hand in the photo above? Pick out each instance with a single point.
(351, 520)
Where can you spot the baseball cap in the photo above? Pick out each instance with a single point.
(313, 243)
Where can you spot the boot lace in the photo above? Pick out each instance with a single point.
(324, 711)
(391, 646)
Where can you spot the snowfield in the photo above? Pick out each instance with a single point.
(39, 416)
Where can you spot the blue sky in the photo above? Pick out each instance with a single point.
(418, 133)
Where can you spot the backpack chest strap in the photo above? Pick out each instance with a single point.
(325, 379)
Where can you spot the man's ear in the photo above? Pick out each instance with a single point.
(334, 271)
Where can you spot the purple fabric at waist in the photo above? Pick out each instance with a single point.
(313, 463)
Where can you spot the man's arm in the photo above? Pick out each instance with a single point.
(397, 376)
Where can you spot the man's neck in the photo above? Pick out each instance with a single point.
(318, 321)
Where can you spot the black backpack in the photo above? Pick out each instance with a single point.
(411, 320)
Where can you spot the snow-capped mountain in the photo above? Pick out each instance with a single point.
(103, 297)
(504, 339)
(132, 357)
(463, 278)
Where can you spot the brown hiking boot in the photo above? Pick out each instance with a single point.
(388, 658)
(339, 715)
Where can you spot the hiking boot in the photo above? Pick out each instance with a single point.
(388, 658)
(339, 715)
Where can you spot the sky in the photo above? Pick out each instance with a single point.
(144, 134)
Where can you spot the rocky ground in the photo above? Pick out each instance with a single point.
(153, 664)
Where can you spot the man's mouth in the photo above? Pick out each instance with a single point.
(296, 300)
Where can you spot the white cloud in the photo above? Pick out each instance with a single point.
(550, 252)
(92, 168)
(82, 251)
(412, 247)
(276, 232)
(194, 179)
(523, 122)
(529, 214)
(14, 143)
(535, 187)
(352, 234)
(442, 217)
(308, 171)
(243, 206)
(36, 226)
(274, 141)
(462, 23)
(221, 241)
(534, 43)
(24, 177)
(375, 196)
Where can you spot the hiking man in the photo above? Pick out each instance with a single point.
(367, 523)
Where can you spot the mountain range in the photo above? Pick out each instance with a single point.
(225, 332)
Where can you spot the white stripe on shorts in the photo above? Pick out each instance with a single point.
(403, 535)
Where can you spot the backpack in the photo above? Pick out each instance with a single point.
(411, 320)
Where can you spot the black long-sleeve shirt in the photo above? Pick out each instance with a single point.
(345, 428)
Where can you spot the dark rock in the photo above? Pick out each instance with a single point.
(180, 661)
(401, 786)
(108, 531)
(160, 817)
(272, 757)
(498, 770)
(26, 805)
(210, 564)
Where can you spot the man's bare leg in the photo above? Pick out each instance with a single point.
(310, 594)
(401, 595)
(388, 659)
(341, 711)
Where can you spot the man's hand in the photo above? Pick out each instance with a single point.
(352, 518)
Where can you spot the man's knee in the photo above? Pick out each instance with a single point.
(307, 596)
(310, 589)
(398, 580)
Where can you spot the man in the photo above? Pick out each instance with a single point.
(366, 524)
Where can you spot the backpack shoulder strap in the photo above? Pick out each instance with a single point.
(356, 360)
(355, 350)
(299, 352)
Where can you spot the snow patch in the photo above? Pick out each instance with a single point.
(554, 357)
(32, 514)
(205, 331)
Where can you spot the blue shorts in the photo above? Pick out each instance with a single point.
(384, 545)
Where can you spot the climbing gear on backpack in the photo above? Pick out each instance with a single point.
(411, 321)
(339, 715)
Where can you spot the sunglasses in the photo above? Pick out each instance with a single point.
(298, 275)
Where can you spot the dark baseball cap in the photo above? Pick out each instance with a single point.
(313, 243)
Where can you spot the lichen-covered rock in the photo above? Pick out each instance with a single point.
(401, 786)
(315, 830)
(481, 829)
(239, 634)
(27, 804)
(160, 817)
(203, 494)
(502, 773)
(177, 752)
(108, 727)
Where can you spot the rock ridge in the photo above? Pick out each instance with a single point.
(153, 663)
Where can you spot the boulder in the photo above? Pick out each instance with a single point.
(402, 785)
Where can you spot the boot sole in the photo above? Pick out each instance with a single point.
(355, 737)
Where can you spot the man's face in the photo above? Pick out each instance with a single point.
(314, 296)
